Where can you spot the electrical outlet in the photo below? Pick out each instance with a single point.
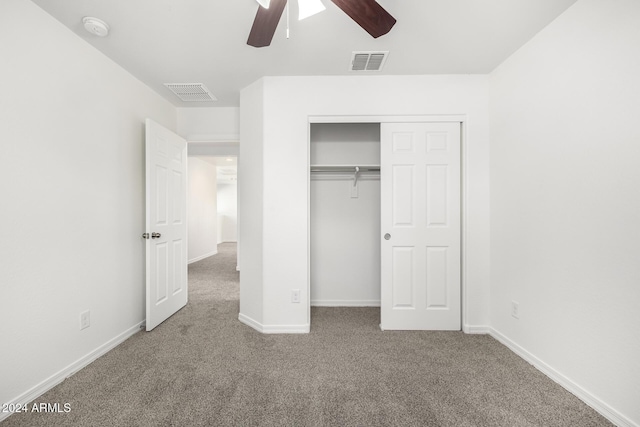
(85, 319)
(515, 309)
(295, 295)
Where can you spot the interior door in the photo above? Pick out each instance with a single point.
(420, 219)
(166, 224)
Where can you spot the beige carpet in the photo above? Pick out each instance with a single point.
(204, 368)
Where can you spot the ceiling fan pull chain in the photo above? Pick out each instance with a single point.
(287, 20)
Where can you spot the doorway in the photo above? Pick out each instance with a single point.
(212, 204)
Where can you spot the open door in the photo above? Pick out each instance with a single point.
(166, 223)
(420, 219)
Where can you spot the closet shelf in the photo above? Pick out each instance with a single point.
(345, 168)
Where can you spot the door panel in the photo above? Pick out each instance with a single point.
(436, 194)
(402, 281)
(403, 195)
(166, 205)
(420, 198)
(162, 206)
(436, 264)
(162, 267)
(178, 258)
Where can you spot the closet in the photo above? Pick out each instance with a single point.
(345, 214)
(385, 220)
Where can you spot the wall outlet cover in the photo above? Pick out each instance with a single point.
(85, 319)
(295, 295)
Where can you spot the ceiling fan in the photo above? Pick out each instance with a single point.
(366, 13)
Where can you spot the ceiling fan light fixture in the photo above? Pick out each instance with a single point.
(264, 3)
(307, 8)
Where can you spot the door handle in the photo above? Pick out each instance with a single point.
(145, 235)
(155, 235)
(387, 236)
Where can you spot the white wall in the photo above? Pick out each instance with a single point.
(251, 204)
(227, 212)
(344, 231)
(344, 143)
(212, 131)
(286, 106)
(345, 243)
(203, 216)
(565, 204)
(209, 123)
(72, 185)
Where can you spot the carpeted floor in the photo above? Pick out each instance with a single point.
(202, 367)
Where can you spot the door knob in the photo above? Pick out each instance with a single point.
(145, 235)
(155, 235)
(387, 236)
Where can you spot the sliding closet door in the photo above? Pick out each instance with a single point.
(420, 219)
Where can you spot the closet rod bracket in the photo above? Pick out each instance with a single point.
(355, 176)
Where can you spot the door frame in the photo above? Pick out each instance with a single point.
(430, 118)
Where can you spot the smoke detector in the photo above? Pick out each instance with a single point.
(95, 26)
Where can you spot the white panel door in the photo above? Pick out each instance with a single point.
(420, 219)
(166, 224)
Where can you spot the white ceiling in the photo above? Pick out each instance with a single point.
(222, 161)
(204, 41)
(226, 168)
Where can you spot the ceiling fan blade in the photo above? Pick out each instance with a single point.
(264, 26)
(369, 15)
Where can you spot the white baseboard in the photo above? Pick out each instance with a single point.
(345, 303)
(476, 329)
(196, 259)
(250, 322)
(593, 401)
(68, 371)
(274, 329)
(286, 329)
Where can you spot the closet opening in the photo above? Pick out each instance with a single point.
(345, 214)
(385, 219)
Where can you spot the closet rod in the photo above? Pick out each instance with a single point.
(343, 169)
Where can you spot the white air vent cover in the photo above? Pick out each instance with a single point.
(368, 61)
(191, 92)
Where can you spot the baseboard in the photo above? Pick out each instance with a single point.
(65, 373)
(593, 401)
(345, 303)
(476, 329)
(286, 329)
(250, 322)
(196, 259)
(274, 329)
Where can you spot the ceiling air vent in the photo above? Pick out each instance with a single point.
(368, 61)
(191, 92)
